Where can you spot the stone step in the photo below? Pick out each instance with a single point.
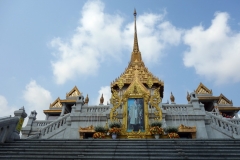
(19, 157)
(6, 150)
(121, 149)
(119, 143)
(128, 141)
(111, 155)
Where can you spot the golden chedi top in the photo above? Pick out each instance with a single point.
(136, 65)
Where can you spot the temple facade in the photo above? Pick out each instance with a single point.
(136, 102)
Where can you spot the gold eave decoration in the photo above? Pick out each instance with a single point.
(68, 100)
(202, 89)
(208, 98)
(52, 111)
(73, 93)
(144, 75)
(229, 108)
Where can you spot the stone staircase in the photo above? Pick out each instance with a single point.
(121, 149)
(224, 126)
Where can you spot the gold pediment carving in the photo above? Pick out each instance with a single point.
(224, 100)
(150, 82)
(155, 99)
(56, 104)
(136, 88)
(183, 128)
(202, 89)
(145, 76)
(73, 93)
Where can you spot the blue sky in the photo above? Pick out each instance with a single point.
(48, 47)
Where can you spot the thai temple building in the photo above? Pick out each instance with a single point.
(137, 93)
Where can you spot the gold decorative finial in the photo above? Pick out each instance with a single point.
(136, 55)
(188, 97)
(86, 100)
(172, 98)
(101, 99)
(135, 12)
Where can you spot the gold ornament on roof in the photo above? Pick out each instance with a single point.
(150, 82)
(188, 97)
(172, 98)
(86, 100)
(101, 99)
(120, 84)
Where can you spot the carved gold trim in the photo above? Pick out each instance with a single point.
(231, 108)
(154, 101)
(89, 129)
(150, 82)
(186, 129)
(52, 111)
(183, 128)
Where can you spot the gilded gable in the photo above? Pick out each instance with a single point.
(223, 100)
(56, 104)
(73, 93)
(203, 89)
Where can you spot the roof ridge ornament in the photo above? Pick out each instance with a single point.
(136, 54)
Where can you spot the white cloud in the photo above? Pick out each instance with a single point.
(214, 52)
(37, 98)
(106, 95)
(101, 35)
(6, 110)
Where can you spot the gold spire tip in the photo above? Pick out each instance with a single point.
(135, 12)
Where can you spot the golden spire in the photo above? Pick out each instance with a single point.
(136, 54)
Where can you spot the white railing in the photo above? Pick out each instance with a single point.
(97, 108)
(223, 125)
(175, 109)
(234, 121)
(41, 123)
(54, 125)
(214, 113)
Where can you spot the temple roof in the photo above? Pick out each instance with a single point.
(74, 92)
(202, 89)
(224, 100)
(136, 65)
